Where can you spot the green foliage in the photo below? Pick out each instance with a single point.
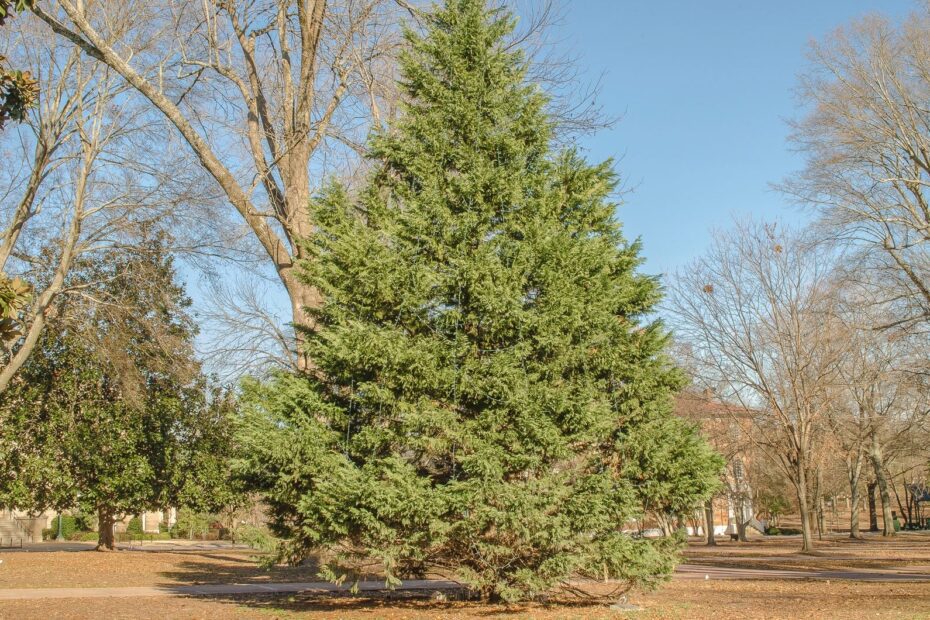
(773, 503)
(257, 538)
(84, 521)
(111, 412)
(782, 531)
(192, 523)
(15, 294)
(134, 526)
(8, 6)
(486, 376)
(18, 89)
(69, 526)
(672, 464)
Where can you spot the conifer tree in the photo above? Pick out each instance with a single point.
(484, 364)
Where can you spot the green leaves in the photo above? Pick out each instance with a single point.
(18, 90)
(111, 410)
(483, 360)
(6, 8)
(15, 295)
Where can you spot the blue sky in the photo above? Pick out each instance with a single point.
(704, 89)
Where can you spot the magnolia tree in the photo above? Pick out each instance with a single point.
(111, 412)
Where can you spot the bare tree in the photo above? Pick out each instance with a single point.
(256, 90)
(881, 395)
(755, 313)
(849, 431)
(72, 195)
(243, 334)
(867, 142)
(272, 97)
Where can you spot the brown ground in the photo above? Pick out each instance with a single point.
(680, 599)
(683, 599)
(89, 569)
(908, 551)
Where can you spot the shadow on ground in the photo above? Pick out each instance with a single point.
(400, 604)
(209, 568)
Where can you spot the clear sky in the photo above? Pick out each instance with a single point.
(704, 88)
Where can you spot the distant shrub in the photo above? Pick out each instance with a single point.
(257, 538)
(783, 531)
(85, 521)
(68, 527)
(135, 526)
(192, 524)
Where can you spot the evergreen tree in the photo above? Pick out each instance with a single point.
(112, 413)
(483, 365)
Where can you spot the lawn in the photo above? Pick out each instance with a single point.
(681, 598)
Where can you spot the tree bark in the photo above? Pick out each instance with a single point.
(709, 522)
(105, 523)
(873, 513)
(741, 519)
(303, 298)
(818, 498)
(905, 509)
(854, 473)
(878, 467)
(807, 538)
(854, 501)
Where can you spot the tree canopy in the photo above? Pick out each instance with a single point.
(112, 412)
(486, 371)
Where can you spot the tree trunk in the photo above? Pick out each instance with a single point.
(303, 297)
(807, 538)
(873, 514)
(818, 497)
(905, 512)
(854, 472)
(854, 501)
(878, 467)
(709, 522)
(105, 523)
(741, 519)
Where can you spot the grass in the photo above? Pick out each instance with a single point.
(679, 599)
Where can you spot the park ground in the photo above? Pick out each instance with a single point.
(765, 578)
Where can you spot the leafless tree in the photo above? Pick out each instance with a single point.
(881, 393)
(69, 192)
(256, 90)
(274, 96)
(755, 313)
(242, 333)
(867, 142)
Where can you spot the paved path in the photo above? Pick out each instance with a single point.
(699, 571)
(51, 546)
(685, 571)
